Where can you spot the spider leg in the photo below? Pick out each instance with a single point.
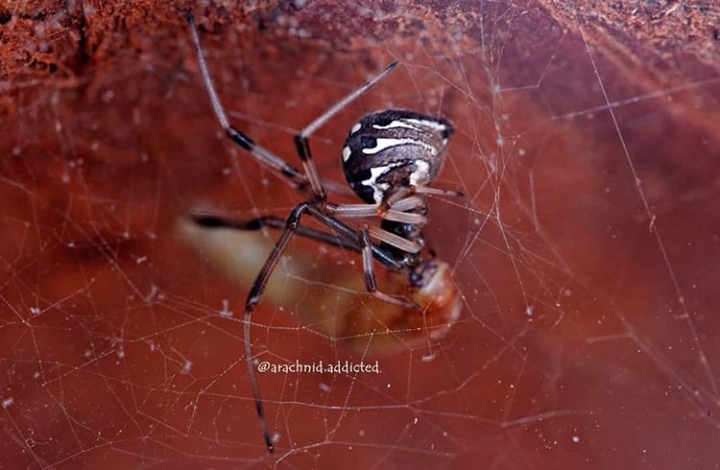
(270, 221)
(261, 154)
(370, 280)
(252, 301)
(343, 237)
(371, 210)
(301, 140)
(396, 212)
(409, 246)
(291, 228)
(438, 191)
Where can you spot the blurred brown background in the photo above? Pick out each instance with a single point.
(587, 246)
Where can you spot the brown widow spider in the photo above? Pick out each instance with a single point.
(389, 158)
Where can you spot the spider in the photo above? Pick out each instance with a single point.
(389, 159)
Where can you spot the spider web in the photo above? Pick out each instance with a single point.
(585, 249)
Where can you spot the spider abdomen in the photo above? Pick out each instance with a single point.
(391, 149)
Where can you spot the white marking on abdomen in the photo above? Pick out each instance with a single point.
(382, 144)
(379, 188)
(346, 152)
(393, 124)
(438, 126)
(419, 177)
